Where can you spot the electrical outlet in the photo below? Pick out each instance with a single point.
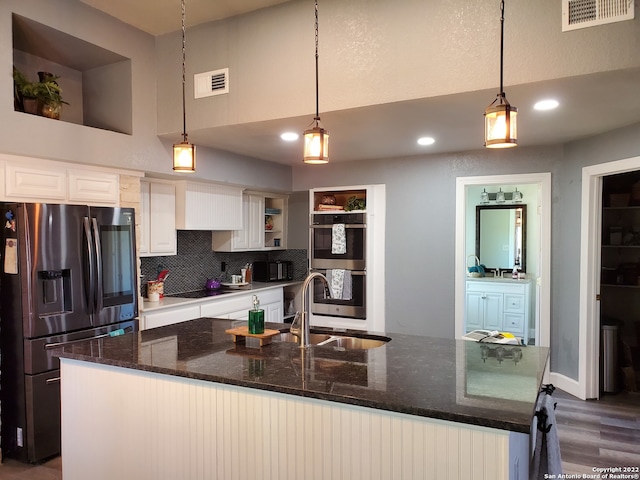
(223, 266)
(19, 439)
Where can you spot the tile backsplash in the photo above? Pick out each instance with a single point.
(196, 262)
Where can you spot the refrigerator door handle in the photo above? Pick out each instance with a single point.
(114, 333)
(98, 260)
(89, 282)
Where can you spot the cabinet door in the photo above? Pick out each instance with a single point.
(27, 182)
(273, 312)
(493, 311)
(93, 187)
(256, 222)
(169, 317)
(143, 220)
(162, 218)
(474, 311)
(250, 236)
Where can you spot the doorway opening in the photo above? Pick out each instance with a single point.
(620, 283)
(588, 384)
(466, 187)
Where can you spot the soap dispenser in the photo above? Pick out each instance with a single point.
(514, 273)
(256, 317)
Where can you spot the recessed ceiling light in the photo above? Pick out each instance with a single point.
(426, 141)
(289, 136)
(546, 104)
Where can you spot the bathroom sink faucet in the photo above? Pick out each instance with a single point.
(303, 331)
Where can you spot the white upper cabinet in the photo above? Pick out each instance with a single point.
(157, 218)
(35, 182)
(26, 179)
(249, 237)
(263, 228)
(87, 186)
(208, 206)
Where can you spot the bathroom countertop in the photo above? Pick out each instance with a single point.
(439, 378)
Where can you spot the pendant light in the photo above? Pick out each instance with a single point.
(500, 122)
(184, 153)
(316, 138)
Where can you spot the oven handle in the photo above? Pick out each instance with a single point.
(349, 225)
(353, 272)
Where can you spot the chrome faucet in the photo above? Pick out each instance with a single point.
(303, 331)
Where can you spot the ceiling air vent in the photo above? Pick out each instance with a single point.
(588, 13)
(211, 83)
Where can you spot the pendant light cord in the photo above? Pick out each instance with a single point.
(317, 89)
(184, 79)
(501, 45)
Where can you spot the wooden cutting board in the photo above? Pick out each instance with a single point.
(239, 334)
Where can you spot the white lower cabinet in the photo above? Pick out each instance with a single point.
(235, 307)
(169, 316)
(499, 305)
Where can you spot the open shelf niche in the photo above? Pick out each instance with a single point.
(95, 82)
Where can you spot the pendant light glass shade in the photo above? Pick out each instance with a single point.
(184, 157)
(184, 153)
(500, 124)
(500, 118)
(316, 138)
(316, 144)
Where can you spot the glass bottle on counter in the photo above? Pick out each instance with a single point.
(256, 317)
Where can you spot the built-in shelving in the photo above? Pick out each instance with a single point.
(96, 82)
(324, 200)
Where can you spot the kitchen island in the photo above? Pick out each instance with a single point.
(184, 401)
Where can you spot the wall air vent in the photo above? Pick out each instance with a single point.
(211, 83)
(588, 13)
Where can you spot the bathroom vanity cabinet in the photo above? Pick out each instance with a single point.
(499, 304)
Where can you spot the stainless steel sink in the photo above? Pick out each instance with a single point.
(344, 342)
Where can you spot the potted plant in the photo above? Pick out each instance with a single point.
(19, 83)
(41, 98)
(50, 93)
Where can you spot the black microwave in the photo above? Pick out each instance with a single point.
(272, 271)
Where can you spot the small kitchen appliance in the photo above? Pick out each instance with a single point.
(272, 271)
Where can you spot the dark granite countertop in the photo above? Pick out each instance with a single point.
(439, 378)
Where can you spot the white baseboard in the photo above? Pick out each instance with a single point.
(567, 384)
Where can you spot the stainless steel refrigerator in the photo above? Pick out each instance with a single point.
(69, 273)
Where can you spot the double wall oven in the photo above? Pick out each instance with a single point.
(352, 260)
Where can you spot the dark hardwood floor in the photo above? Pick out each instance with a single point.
(603, 433)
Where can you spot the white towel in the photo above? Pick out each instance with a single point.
(338, 239)
(340, 281)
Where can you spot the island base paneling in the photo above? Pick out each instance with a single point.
(119, 423)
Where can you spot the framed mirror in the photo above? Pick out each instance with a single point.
(501, 232)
